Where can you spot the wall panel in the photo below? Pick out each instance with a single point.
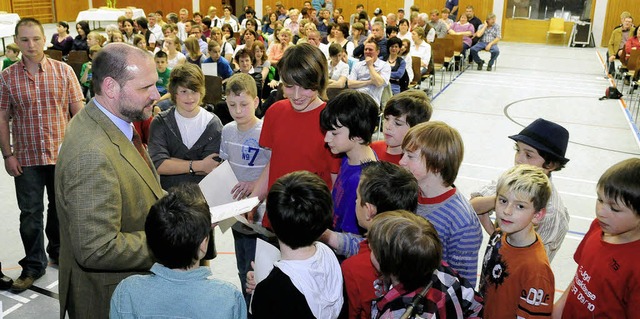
(5, 6)
(39, 9)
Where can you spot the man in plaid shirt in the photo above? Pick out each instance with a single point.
(489, 35)
(38, 95)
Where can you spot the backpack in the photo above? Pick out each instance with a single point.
(611, 93)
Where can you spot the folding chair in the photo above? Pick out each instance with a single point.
(54, 54)
(76, 59)
(213, 89)
(556, 27)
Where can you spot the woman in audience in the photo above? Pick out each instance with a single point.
(403, 30)
(227, 19)
(251, 24)
(330, 38)
(338, 69)
(80, 41)
(116, 36)
(267, 28)
(141, 42)
(357, 36)
(226, 49)
(398, 79)
(95, 38)
(227, 33)
(194, 55)
(174, 57)
(464, 28)
(262, 63)
(277, 48)
(127, 26)
(420, 48)
(250, 37)
(633, 42)
(340, 33)
(404, 54)
(245, 60)
(305, 26)
(62, 41)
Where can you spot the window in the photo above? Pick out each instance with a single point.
(546, 9)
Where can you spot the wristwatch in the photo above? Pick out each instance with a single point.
(191, 171)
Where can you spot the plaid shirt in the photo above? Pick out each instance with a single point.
(39, 107)
(491, 33)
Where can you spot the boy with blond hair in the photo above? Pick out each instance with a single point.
(240, 147)
(433, 153)
(516, 280)
(606, 284)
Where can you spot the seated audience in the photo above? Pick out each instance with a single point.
(372, 74)
(61, 40)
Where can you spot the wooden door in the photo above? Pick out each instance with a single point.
(38, 9)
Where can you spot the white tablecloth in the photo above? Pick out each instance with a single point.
(106, 14)
(8, 23)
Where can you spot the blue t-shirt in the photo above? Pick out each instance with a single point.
(344, 197)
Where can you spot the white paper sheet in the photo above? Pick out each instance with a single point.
(222, 212)
(210, 68)
(266, 255)
(217, 185)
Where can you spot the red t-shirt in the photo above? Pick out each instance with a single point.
(359, 275)
(607, 282)
(380, 147)
(297, 143)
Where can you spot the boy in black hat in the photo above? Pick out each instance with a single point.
(542, 144)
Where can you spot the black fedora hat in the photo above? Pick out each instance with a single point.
(545, 136)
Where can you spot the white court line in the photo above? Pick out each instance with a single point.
(14, 297)
(12, 309)
(589, 219)
(34, 296)
(628, 120)
(53, 284)
(574, 237)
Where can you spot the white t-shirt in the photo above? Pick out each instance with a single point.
(192, 128)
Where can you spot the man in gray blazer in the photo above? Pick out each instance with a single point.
(105, 185)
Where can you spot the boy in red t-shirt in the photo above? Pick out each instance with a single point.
(401, 112)
(607, 282)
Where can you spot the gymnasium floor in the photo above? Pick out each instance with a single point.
(558, 83)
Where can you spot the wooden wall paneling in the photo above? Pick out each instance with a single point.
(612, 17)
(480, 7)
(533, 31)
(39, 9)
(5, 5)
(428, 5)
(205, 4)
(68, 10)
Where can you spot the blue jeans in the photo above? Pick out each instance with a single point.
(30, 188)
(479, 47)
(245, 254)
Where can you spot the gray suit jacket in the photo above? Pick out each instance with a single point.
(104, 190)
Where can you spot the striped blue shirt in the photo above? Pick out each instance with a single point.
(458, 228)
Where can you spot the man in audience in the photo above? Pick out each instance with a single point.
(105, 184)
(489, 36)
(182, 32)
(250, 14)
(392, 20)
(314, 38)
(38, 129)
(437, 24)
(618, 39)
(452, 5)
(400, 14)
(377, 35)
(371, 75)
(154, 27)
